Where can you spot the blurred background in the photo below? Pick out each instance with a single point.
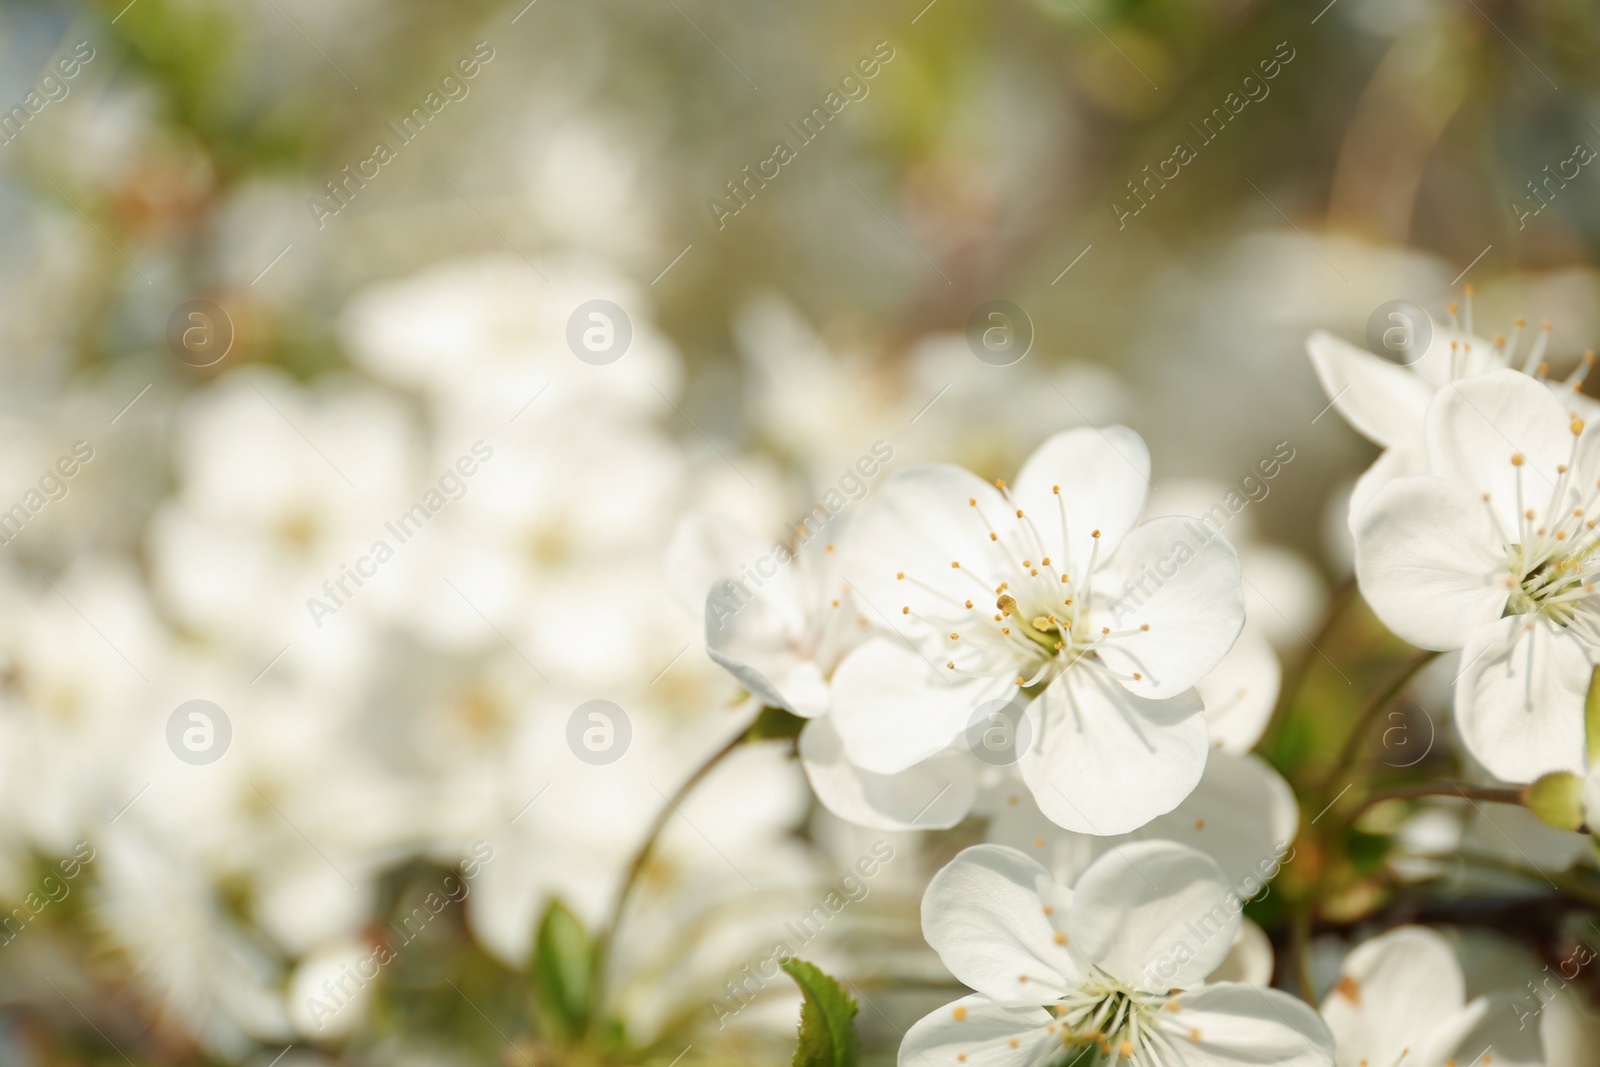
(274, 271)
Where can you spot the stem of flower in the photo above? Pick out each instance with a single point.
(1459, 790)
(1369, 714)
(1300, 954)
(1290, 691)
(607, 933)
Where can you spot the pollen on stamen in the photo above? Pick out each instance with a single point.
(972, 501)
(1105, 629)
(1022, 978)
(999, 483)
(905, 610)
(1194, 1035)
(993, 536)
(1020, 681)
(900, 576)
(1056, 489)
(1126, 1048)
(951, 664)
(1049, 910)
(954, 636)
(1516, 459)
(969, 603)
(1577, 427)
(835, 603)
(1095, 534)
(1061, 938)
(1045, 561)
(955, 564)
(1144, 626)
(959, 1013)
(1013, 1042)
(1138, 677)
(829, 548)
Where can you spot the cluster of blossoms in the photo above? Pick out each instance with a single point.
(400, 586)
(1475, 531)
(1130, 823)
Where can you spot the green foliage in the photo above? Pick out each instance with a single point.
(562, 973)
(774, 723)
(827, 1035)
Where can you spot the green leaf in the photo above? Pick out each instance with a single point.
(775, 723)
(562, 972)
(1591, 719)
(1557, 798)
(827, 1036)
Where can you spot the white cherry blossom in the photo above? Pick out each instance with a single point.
(1401, 1000)
(1492, 552)
(1050, 591)
(1119, 963)
(1386, 402)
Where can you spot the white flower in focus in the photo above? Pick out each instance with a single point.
(1118, 962)
(1052, 593)
(1401, 999)
(1492, 552)
(1386, 402)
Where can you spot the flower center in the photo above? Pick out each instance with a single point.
(1117, 1020)
(1033, 622)
(1552, 559)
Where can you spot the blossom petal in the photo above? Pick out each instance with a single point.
(932, 795)
(1241, 691)
(1477, 425)
(917, 524)
(894, 709)
(1393, 992)
(1242, 814)
(755, 642)
(1155, 915)
(1250, 958)
(1393, 463)
(1174, 602)
(1429, 561)
(998, 921)
(1104, 761)
(1519, 699)
(705, 548)
(1104, 477)
(1232, 1024)
(976, 1032)
(1382, 401)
